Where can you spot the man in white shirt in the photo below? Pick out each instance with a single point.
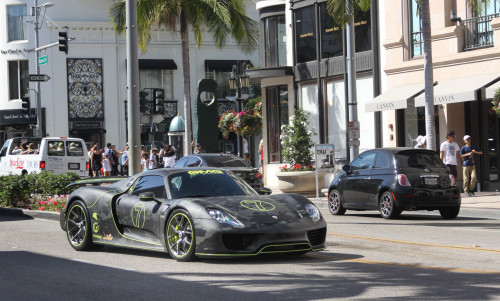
(450, 153)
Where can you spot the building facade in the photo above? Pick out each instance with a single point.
(303, 65)
(86, 94)
(466, 70)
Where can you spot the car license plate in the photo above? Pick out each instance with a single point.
(431, 181)
(74, 166)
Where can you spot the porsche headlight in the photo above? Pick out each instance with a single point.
(224, 218)
(313, 212)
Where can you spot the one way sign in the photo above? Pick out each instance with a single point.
(39, 77)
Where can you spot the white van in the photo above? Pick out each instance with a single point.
(53, 154)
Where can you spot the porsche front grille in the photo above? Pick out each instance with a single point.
(237, 241)
(317, 237)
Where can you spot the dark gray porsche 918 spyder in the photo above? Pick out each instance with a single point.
(191, 213)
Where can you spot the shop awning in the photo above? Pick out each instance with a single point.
(395, 98)
(490, 91)
(459, 89)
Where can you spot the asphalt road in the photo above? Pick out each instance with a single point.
(416, 257)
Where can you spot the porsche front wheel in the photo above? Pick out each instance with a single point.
(180, 236)
(78, 227)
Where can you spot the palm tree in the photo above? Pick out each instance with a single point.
(222, 18)
(342, 11)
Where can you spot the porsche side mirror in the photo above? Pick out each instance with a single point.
(147, 196)
(264, 191)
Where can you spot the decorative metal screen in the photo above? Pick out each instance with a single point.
(85, 89)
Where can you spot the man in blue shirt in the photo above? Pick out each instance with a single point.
(469, 166)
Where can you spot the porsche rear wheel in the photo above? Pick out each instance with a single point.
(180, 236)
(78, 227)
(335, 203)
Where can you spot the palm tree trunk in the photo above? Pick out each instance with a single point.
(187, 84)
(428, 75)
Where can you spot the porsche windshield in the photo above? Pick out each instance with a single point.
(206, 183)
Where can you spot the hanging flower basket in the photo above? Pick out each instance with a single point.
(245, 123)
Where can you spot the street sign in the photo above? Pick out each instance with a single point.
(353, 130)
(353, 142)
(325, 157)
(39, 77)
(42, 60)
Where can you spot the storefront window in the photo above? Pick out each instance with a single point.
(493, 144)
(305, 36)
(17, 28)
(331, 35)
(18, 79)
(277, 114)
(275, 41)
(362, 31)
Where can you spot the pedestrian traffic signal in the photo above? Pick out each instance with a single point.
(25, 103)
(63, 41)
(143, 101)
(158, 101)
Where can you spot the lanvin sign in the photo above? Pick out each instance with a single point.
(443, 99)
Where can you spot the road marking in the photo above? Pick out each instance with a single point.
(102, 265)
(415, 243)
(412, 266)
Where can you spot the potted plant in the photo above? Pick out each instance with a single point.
(298, 175)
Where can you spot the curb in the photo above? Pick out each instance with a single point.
(30, 213)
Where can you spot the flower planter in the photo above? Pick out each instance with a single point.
(302, 182)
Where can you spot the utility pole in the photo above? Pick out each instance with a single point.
(38, 93)
(133, 106)
(352, 102)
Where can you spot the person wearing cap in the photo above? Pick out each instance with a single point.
(153, 159)
(420, 142)
(449, 153)
(469, 166)
(198, 149)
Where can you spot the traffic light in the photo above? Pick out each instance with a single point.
(63, 41)
(25, 103)
(143, 100)
(158, 101)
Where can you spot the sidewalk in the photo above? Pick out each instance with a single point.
(482, 200)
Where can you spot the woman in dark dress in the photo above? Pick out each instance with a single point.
(96, 161)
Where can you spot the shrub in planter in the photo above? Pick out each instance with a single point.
(52, 184)
(14, 190)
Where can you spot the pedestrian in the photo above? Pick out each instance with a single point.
(199, 149)
(261, 155)
(96, 160)
(169, 156)
(469, 166)
(144, 162)
(153, 159)
(246, 152)
(106, 165)
(124, 158)
(109, 151)
(450, 153)
(420, 141)
(115, 154)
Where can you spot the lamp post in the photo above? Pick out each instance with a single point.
(239, 80)
(38, 25)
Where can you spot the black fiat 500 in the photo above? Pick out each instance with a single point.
(395, 179)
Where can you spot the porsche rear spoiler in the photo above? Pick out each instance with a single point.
(96, 181)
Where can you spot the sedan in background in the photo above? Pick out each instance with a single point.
(395, 179)
(236, 164)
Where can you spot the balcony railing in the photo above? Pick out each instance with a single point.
(478, 32)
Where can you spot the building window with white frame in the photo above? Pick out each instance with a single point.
(275, 41)
(16, 26)
(416, 37)
(18, 79)
(157, 78)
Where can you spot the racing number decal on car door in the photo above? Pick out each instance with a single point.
(257, 205)
(138, 215)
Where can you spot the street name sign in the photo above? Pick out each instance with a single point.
(39, 77)
(42, 60)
